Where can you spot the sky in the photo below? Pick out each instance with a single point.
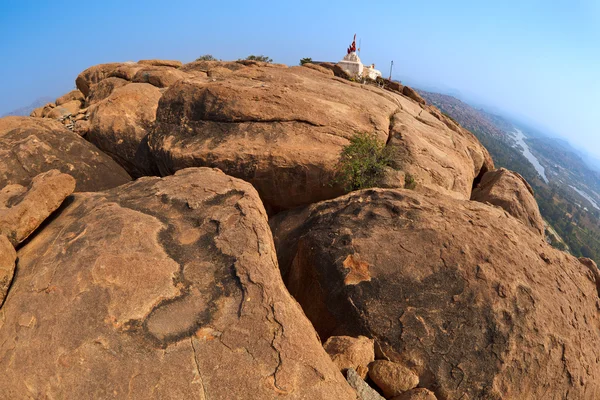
(538, 61)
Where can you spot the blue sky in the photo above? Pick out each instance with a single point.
(537, 60)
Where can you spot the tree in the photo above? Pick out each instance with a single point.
(306, 60)
(206, 57)
(261, 58)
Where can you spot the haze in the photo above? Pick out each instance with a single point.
(534, 60)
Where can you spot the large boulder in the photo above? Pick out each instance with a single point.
(161, 288)
(94, 75)
(104, 88)
(460, 292)
(160, 77)
(23, 211)
(71, 96)
(435, 156)
(8, 257)
(510, 191)
(283, 130)
(30, 146)
(119, 126)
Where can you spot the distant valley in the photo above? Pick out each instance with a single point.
(566, 187)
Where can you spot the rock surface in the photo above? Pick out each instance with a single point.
(119, 126)
(416, 394)
(30, 146)
(161, 288)
(460, 292)
(392, 378)
(410, 92)
(510, 191)
(349, 352)
(8, 256)
(287, 127)
(362, 388)
(104, 88)
(23, 212)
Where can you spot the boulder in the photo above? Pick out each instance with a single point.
(159, 76)
(362, 388)
(161, 288)
(94, 75)
(66, 109)
(30, 146)
(349, 352)
(283, 131)
(162, 63)
(23, 212)
(410, 92)
(104, 88)
(593, 268)
(392, 378)
(463, 294)
(318, 68)
(510, 191)
(119, 126)
(72, 95)
(8, 257)
(126, 71)
(416, 394)
(433, 155)
(280, 129)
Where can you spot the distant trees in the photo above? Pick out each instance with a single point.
(261, 58)
(306, 60)
(206, 57)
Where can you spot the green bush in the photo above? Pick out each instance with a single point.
(262, 58)
(206, 57)
(362, 162)
(306, 60)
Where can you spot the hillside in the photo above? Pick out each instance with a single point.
(182, 231)
(567, 200)
(25, 111)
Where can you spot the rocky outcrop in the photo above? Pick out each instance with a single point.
(22, 209)
(435, 156)
(160, 77)
(349, 352)
(8, 256)
(410, 92)
(286, 129)
(463, 294)
(510, 191)
(104, 88)
(119, 126)
(30, 146)
(161, 288)
(73, 95)
(319, 68)
(93, 75)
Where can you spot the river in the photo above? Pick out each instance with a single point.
(520, 138)
(586, 196)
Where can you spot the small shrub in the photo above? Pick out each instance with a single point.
(306, 60)
(261, 58)
(362, 162)
(206, 57)
(409, 181)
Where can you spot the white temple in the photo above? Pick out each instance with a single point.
(351, 63)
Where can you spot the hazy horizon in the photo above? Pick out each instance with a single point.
(530, 59)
